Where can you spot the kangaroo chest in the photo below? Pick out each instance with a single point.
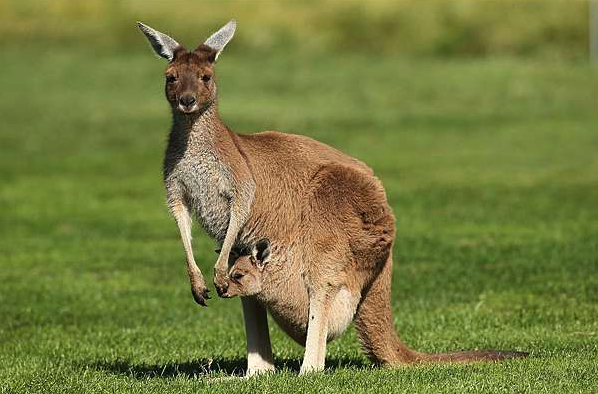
(206, 185)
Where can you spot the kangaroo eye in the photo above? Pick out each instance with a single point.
(206, 78)
(237, 276)
(170, 78)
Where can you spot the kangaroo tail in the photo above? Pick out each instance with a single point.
(374, 323)
(375, 330)
(470, 356)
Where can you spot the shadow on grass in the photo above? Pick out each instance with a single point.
(204, 367)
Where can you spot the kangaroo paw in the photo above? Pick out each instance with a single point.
(221, 282)
(200, 294)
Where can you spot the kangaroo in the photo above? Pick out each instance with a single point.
(325, 213)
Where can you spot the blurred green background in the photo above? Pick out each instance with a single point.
(480, 117)
(425, 28)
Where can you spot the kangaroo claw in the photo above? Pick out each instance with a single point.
(200, 295)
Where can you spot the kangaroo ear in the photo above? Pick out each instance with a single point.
(163, 45)
(218, 40)
(261, 252)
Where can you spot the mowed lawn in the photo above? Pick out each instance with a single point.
(491, 167)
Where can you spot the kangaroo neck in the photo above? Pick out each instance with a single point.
(202, 128)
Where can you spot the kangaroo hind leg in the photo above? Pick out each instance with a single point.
(320, 303)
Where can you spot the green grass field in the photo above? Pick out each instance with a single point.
(491, 166)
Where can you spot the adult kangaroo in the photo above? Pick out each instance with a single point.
(325, 214)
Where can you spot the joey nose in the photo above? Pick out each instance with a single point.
(187, 101)
(222, 290)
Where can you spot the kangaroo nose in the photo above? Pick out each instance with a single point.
(187, 101)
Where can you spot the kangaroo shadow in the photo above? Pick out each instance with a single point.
(203, 367)
(189, 369)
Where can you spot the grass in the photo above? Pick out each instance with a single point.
(490, 166)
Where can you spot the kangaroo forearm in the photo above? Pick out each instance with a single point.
(240, 207)
(183, 220)
(235, 224)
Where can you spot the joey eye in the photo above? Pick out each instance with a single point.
(206, 78)
(237, 276)
(170, 78)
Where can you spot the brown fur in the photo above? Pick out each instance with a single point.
(325, 213)
(283, 292)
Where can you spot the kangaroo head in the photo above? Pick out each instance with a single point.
(190, 86)
(245, 276)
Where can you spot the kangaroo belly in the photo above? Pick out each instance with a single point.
(293, 323)
(288, 304)
(293, 317)
(212, 210)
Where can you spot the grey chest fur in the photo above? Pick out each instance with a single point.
(206, 186)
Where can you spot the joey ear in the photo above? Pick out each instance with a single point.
(261, 252)
(218, 40)
(163, 45)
